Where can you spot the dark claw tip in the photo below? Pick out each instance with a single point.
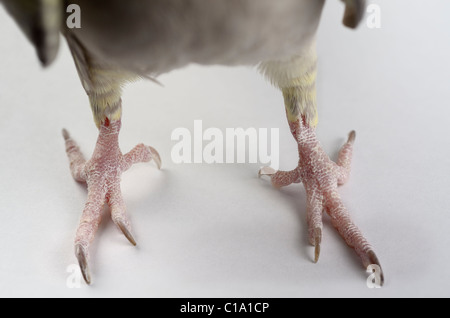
(65, 134)
(127, 233)
(82, 261)
(352, 137)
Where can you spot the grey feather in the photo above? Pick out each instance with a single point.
(354, 12)
(154, 37)
(41, 21)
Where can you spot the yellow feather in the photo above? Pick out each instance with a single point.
(300, 98)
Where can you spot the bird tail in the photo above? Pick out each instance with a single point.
(354, 12)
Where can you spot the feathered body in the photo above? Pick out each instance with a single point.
(160, 35)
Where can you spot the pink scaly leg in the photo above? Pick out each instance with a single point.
(102, 173)
(321, 177)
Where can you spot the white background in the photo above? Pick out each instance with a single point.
(217, 230)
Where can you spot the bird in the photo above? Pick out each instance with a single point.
(123, 41)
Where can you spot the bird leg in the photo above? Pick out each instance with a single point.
(319, 175)
(102, 174)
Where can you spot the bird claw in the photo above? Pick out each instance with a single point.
(65, 134)
(373, 260)
(351, 137)
(317, 243)
(266, 171)
(156, 157)
(126, 232)
(82, 257)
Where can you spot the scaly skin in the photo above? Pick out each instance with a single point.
(321, 177)
(102, 174)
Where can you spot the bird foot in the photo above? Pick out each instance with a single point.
(321, 177)
(102, 174)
